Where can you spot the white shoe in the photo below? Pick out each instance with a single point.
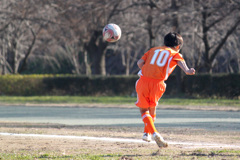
(159, 140)
(146, 137)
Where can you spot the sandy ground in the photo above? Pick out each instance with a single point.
(75, 147)
(66, 146)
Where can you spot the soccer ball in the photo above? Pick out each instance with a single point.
(111, 33)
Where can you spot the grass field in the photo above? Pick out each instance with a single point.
(202, 154)
(115, 100)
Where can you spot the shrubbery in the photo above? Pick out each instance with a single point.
(213, 85)
(32, 85)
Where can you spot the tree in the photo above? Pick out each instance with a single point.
(86, 19)
(25, 20)
(66, 36)
(143, 22)
(218, 24)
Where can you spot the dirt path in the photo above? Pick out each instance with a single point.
(76, 146)
(184, 143)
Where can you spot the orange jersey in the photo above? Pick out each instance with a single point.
(160, 62)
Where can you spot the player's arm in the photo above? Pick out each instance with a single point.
(184, 67)
(140, 63)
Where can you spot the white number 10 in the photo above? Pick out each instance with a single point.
(162, 59)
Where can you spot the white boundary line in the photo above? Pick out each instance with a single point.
(124, 140)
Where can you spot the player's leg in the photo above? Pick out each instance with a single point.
(143, 99)
(147, 119)
(157, 92)
(143, 102)
(146, 133)
(152, 111)
(149, 124)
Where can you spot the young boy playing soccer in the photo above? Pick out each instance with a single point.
(156, 65)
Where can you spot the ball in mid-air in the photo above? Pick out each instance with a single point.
(111, 32)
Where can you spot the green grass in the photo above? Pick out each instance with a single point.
(203, 154)
(115, 100)
(25, 156)
(227, 151)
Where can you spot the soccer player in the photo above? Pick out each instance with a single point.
(156, 65)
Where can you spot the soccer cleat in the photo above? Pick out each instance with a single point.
(159, 140)
(146, 137)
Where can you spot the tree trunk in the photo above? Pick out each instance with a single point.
(29, 51)
(128, 61)
(12, 55)
(87, 66)
(103, 63)
(96, 48)
(175, 27)
(150, 32)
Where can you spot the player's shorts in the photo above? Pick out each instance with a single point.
(149, 91)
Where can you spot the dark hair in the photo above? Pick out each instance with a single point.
(173, 39)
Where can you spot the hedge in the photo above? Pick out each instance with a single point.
(33, 85)
(213, 85)
(227, 86)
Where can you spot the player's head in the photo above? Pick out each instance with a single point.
(173, 39)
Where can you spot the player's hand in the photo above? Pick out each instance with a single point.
(191, 71)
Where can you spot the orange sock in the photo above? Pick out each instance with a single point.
(145, 128)
(153, 117)
(148, 122)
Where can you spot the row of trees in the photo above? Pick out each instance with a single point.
(58, 36)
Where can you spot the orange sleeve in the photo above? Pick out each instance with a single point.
(178, 57)
(144, 57)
